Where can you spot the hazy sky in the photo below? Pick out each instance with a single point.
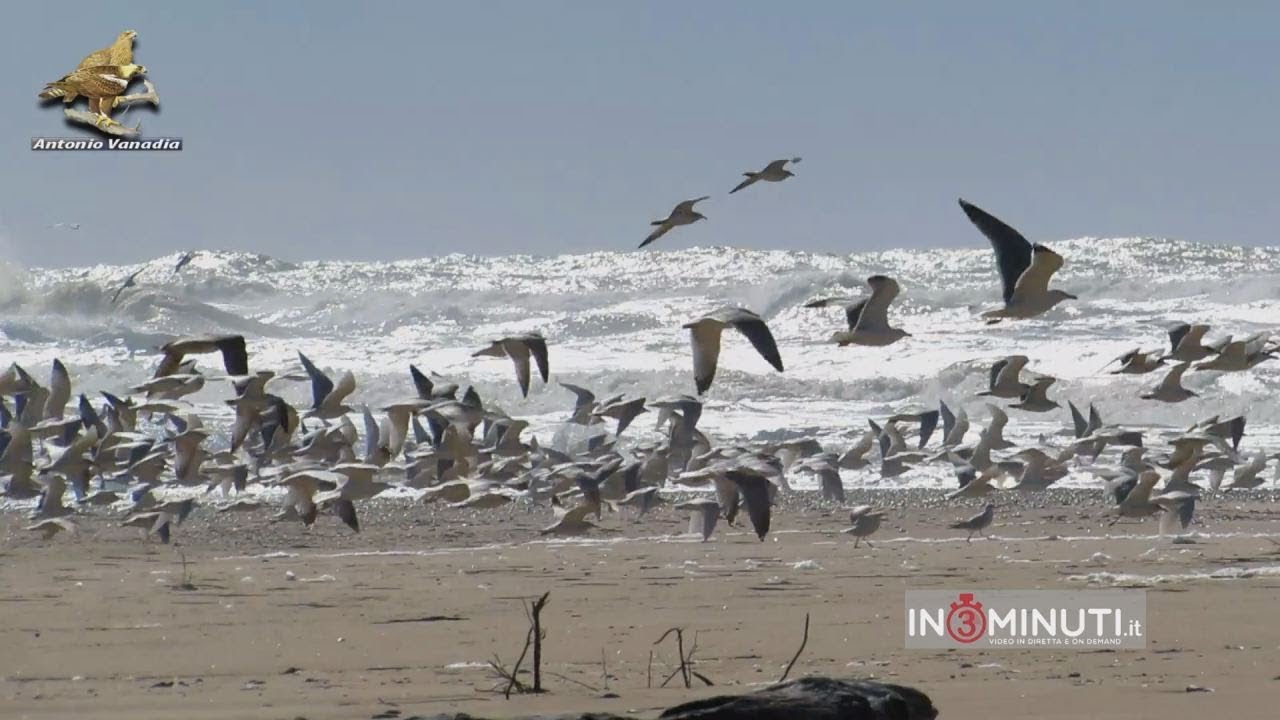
(384, 130)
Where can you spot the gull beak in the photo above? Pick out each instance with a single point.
(1071, 297)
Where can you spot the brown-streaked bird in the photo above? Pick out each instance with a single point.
(705, 334)
(119, 52)
(681, 214)
(100, 84)
(519, 348)
(235, 356)
(775, 171)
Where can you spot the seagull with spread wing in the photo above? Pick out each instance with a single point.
(1025, 269)
(705, 337)
(868, 318)
(775, 171)
(519, 348)
(682, 214)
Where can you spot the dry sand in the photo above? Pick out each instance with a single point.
(403, 616)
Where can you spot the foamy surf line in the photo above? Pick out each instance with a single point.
(687, 539)
(1217, 574)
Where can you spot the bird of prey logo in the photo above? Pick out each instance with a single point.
(102, 78)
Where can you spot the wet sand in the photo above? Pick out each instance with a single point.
(275, 621)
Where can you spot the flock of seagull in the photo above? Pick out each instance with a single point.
(447, 446)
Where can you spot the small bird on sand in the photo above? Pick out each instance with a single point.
(865, 520)
(977, 523)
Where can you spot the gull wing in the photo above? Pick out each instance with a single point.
(321, 385)
(874, 311)
(686, 207)
(704, 338)
(519, 354)
(754, 489)
(538, 346)
(1176, 333)
(754, 328)
(1035, 279)
(1013, 251)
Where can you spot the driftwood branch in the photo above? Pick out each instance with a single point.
(532, 638)
(111, 127)
(803, 641)
(538, 634)
(685, 670)
(97, 121)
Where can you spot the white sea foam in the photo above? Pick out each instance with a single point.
(613, 322)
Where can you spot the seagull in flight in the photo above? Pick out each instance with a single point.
(1025, 269)
(682, 214)
(185, 260)
(868, 318)
(775, 171)
(65, 226)
(131, 281)
(705, 337)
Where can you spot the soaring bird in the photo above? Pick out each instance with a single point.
(1186, 343)
(869, 319)
(682, 214)
(119, 52)
(100, 84)
(705, 337)
(1037, 399)
(775, 171)
(131, 281)
(1025, 269)
(184, 260)
(519, 348)
(1003, 381)
(1170, 389)
(235, 356)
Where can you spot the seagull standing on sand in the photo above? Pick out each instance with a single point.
(865, 520)
(869, 318)
(775, 171)
(1025, 269)
(682, 214)
(519, 348)
(977, 523)
(705, 334)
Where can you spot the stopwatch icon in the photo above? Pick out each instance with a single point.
(966, 622)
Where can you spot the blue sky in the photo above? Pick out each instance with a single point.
(385, 130)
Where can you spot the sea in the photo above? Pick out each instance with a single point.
(613, 321)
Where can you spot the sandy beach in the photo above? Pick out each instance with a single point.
(271, 620)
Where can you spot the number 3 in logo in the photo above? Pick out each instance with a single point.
(966, 622)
